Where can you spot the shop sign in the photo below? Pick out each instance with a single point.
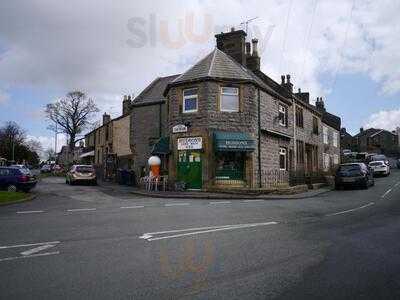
(179, 128)
(190, 143)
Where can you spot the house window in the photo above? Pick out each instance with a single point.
(282, 115)
(299, 117)
(325, 134)
(335, 139)
(300, 151)
(335, 159)
(190, 100)
(326, 161)
(315, 125)
(229, 99)
(282, 158)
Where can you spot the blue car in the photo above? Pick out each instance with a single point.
(16, 179)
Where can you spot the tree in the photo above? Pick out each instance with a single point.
(71, 115)
(11, 135)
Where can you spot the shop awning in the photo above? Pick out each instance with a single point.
(233, 141)
(161, 147)
(87, 154)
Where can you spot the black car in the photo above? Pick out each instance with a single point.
(16, 179)
(354, 174)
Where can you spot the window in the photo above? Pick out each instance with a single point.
(189, 100)
(335, 139)
(326, 161)
(300, 151)
(282, 115)
(315, 125)
(299, 117)
(325, 134)
(229, 99)
(335, 159)
(282, 158)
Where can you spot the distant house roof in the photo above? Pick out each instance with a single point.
(331, 120)
(367, 132)
(153, 93)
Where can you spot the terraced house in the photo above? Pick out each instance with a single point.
(231, 124)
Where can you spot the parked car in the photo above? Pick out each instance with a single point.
(379, 167)
(379, 157)
(354, 174)
(81, 173)
(45, 169)
(16, 179)
(57, 169)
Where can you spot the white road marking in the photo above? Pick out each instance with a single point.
(253, 200)
(28, 245)
(38, 249)
(387, 192)
(80, 209)
(200, 230)
(351, 210)
(220, 202)
(136, 206)
(30, 212)
(29, 256)
(176, 204)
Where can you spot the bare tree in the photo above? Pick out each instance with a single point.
(71, 114)
(50, 154)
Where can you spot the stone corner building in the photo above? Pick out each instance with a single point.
(230, 124)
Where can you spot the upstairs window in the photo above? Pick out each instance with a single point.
(190, 101)
(315, 125)
(335, 139)
(229, 99)
(282, 115)
(299, 117)
(300, 151)
(325, 134)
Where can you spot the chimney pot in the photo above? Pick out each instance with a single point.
(248, 48)
(232, 29)
(288, 78)
(283, 79)
(255, 50)
(299, 90)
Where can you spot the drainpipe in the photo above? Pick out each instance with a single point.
(294, 136)
(159, 122)
(259, 138)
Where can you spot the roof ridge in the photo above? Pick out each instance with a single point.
(212, 61)
(147, 88)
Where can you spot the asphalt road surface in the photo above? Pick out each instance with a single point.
(81, 242)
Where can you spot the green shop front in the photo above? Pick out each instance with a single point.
(232, 157)
(210, 159)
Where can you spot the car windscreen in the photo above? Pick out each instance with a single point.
(378, 157)
(84, 169)
(349, 168)
(376, 163)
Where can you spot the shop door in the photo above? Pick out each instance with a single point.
(189, 169)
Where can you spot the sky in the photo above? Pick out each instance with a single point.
(346, 51)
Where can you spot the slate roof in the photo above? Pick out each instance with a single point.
(371, 132)
(153, 93)
(331, 120)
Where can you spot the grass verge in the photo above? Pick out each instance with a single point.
(11, 197)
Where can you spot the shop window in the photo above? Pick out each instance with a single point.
(190, 100)
(315, 125)
(282, 159)
(229, 99)
(229, 165)
(299, 117)
(283, 118)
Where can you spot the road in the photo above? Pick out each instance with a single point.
(86, 242)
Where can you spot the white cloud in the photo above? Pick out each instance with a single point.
(109, 50)
(385, 119)
(3, 97)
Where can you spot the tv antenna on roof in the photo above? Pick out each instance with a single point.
(246, 23)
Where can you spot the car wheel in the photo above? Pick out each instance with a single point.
(11, 188)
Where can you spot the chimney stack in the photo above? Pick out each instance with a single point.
(288, 85)
(106, 118)
(233, 44)
(126, 104)
(305, 97)
(320, 105)
(253, 60)
(255, 50)
(361, 129)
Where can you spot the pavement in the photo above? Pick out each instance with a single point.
(84, 242)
